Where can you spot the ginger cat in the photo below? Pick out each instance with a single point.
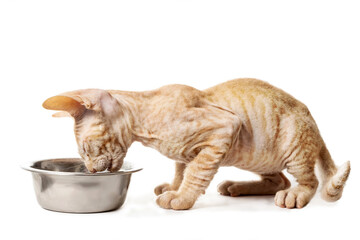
(245, 123)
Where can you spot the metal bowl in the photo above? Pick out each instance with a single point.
(65, 185)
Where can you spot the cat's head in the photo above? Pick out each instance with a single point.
(101, 126)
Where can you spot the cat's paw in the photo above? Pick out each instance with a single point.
(162, 188)
(292, 198)
(229, 188)
(174, 200)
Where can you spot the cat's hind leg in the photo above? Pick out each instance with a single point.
(268, 185)
(302, 168)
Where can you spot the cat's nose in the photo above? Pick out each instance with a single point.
(89, 167)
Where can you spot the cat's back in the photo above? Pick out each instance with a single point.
(250, 91)
(179, 96)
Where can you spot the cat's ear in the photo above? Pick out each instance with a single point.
(65, 103)
(77, 102)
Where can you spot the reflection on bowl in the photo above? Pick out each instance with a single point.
(65, 185)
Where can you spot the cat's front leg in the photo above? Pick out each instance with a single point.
(197, 177)
(174, 186)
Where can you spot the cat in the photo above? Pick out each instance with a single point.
(245, 123)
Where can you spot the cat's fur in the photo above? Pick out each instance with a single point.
(245, 123)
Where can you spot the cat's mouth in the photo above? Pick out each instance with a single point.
(89, 167)
(103, 165)
(98, 166)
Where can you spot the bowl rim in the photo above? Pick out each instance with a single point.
(28, 166)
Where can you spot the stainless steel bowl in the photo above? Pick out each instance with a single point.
(65, 185)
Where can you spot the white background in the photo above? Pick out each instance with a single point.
(308, 48)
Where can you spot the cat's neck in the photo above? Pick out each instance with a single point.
(137, 106)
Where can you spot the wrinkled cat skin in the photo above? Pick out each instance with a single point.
(245, 123)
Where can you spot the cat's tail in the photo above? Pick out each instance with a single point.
(333, 178)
